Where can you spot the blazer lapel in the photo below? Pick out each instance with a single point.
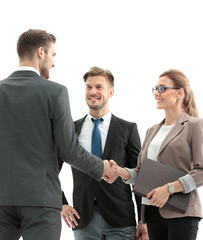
(148, 138)
(179, 126)
(111, 135)
(172, 134)
(153, 133)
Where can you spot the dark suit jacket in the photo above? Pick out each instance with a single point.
(114, 200)
(35, 123)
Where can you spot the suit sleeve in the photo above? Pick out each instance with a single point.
(60, 164)
(132, 150)
(66, 141)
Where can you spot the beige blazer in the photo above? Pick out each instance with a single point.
(181, 149)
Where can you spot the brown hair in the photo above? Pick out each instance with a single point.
(181, 81)
(96, 71)
(32, 39)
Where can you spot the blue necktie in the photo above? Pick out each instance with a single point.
(96, 138)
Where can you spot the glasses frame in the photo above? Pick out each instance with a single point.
(154, 89)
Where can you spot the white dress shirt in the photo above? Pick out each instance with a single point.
(85, 136)
(154, 147)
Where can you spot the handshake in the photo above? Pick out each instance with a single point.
(111, 171)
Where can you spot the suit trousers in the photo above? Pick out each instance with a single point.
(99, 229)
(160, 228)
(31, 223)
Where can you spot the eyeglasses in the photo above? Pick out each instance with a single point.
(162, 89)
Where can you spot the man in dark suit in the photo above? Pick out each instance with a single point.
(100, 209)
(35, 127)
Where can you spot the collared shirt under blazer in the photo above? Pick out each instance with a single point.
(181, 149)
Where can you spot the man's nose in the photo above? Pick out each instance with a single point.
(93, 91)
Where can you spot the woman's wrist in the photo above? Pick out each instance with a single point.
(123, 173)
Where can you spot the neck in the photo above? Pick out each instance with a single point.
(171, 117)
(97, 114)
(28, 63)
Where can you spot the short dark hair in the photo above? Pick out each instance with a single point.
(96, 71)
(32, 39)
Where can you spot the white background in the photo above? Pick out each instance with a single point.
(136, 40)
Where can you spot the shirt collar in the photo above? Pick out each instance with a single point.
(26, 68)
(106, 117)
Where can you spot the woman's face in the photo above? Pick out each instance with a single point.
(169, 98)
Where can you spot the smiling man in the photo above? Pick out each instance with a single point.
(102, 210)
(98, 93)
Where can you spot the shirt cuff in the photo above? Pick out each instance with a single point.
(188, 183)
(133, 176)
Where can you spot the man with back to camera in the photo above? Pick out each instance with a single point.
(35, 126)
(103, 210)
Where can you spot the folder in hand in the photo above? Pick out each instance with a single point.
(153, 174)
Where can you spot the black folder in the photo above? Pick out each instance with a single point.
(153, 174)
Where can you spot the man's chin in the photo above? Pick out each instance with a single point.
(95, 107)
(45, 77)
(44, 74)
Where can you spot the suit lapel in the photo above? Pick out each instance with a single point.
(153, 133)
(111, 135)
(179, 126)
(172, 134)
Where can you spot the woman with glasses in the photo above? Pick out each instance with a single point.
(178, 142)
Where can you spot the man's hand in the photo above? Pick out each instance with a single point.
(142, 233)
(110, 171)
(69, 215)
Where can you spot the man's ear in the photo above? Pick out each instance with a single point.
(111, 92)
(40, 52)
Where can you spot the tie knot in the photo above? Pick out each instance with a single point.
(97, 121)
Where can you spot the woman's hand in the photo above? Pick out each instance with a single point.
(159, 196)
(123, 173)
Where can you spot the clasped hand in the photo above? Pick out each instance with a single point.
(110, 171)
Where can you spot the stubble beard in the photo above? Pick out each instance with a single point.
(44, 72)
(97, 107)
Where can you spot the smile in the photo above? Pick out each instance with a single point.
(159, 100)
(93, 98)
